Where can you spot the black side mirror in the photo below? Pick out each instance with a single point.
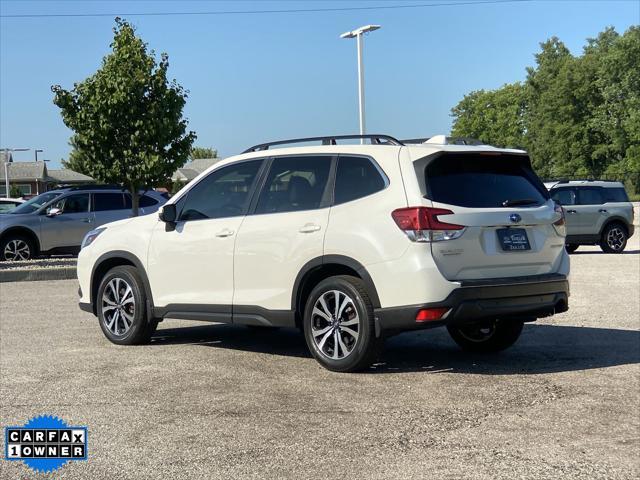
(168, 213)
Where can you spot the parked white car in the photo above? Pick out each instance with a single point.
(8, 204)
(350, 243)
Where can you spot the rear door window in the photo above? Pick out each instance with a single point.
(294, 183)
(108, 201)
(483, 181)
(564, 196)
(356, 177)
(590, 196)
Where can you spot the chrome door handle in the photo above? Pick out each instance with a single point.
(309, 228)
(572, 211)
(86, 220)
(224, 233)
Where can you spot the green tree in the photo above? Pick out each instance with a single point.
(127, 117)
(76, 160)
(577, 116)
(203, 152)
(496, 117)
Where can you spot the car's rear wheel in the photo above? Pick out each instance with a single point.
(121, 307)
(487, 336)
(339, 325)
(614, 238)
(571, 247)
(16, 248)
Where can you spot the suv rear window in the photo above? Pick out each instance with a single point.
(483, 181)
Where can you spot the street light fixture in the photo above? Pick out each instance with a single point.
(357, 34)
(6, 167)
(36, 152)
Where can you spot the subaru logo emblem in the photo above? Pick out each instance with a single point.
(515, 218)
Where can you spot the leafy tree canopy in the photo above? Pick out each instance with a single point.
(203, 152)
(577, 116)
(127, 117)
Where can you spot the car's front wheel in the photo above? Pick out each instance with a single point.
(16, 248)
(121, 307)
(487, 336)
(339, 325)
(614, 238)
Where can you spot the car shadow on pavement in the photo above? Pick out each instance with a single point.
(541, 349)
(600, 252)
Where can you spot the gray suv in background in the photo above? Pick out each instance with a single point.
(55, 222)
(597, 213)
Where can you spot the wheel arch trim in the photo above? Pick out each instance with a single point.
(340, 260)
(130, 258)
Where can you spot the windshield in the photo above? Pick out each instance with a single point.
(35, 203)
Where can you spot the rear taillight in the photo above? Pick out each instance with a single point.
(560, 224)
(430, 314)
(421, 224)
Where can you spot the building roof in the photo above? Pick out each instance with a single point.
(192, 169)
(65, 175)
(27, 171)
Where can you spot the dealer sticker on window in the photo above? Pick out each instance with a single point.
(45, 443)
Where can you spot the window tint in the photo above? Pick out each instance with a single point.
(108, 201)
(356, 177)
(224, 193)
(589, 196)
(481, 181)
(143, 201)
(564, 196)
(294, 183)
(147, 201)
(73, 204)
(615, 195)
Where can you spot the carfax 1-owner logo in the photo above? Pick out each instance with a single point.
(45, 443)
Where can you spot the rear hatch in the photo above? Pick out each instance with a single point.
(505, 209)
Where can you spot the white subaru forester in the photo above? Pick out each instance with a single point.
(350, 243)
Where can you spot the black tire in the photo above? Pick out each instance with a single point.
(139, 330)
(16, 245)
(571, 247)
(614, 238)
(354, 353)
(488, 336)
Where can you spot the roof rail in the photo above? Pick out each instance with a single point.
(328, 140)
(414, 140)
(92, 186)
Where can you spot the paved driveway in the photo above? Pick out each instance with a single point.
(229, 402)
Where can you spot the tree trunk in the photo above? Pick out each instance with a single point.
(135, 200)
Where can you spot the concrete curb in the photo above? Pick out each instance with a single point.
(38, 274)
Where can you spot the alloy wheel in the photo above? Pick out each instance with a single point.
(16, 250)
(335, 325)
(118, 306)
(615, 238)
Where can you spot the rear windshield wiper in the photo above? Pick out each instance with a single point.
(519, 202)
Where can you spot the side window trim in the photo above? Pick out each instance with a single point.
(182, 200)
(372, 160)
(327, 195)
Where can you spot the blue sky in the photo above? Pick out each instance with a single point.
(254, 78)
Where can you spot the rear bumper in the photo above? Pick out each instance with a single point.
(526, 298)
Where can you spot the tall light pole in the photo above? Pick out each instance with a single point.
(6, 167)
(357, 34)
(37, 151)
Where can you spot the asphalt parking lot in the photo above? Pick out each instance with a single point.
(214, 401)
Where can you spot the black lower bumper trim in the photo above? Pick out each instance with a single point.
(525, 298)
